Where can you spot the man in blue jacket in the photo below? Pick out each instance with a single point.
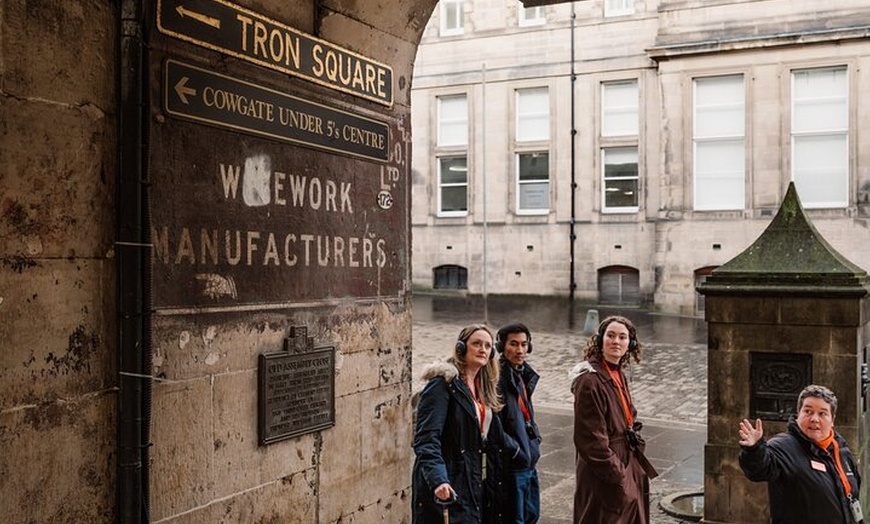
(811, 475)
(517, 381)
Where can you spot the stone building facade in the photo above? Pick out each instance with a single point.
(622, 149)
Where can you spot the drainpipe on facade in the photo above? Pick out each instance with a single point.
(132, 258)
(485, 192)
(573, 234)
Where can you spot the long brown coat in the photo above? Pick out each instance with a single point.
(612, 487)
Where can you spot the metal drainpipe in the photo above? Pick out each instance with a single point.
(573, 234)
(133, 256)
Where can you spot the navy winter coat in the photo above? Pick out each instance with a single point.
(797, 491)
(512, 417)
(449, 448)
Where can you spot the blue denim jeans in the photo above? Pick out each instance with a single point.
(527, 493)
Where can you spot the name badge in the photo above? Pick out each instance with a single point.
(818, 466)
(857, 512)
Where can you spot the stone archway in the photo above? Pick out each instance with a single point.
(155, 246)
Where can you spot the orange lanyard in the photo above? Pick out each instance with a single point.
(522, 398)
(481, 407)
(623, 394)
(824, 443)
(481, 415)
(843, 479)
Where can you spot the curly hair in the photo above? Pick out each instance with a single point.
(488, 374)
(594, 350)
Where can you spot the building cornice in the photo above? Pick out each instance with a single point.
(726, 45)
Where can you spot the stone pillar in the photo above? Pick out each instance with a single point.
(787, 312)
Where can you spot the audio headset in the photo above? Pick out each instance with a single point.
(501, 336)
(599, 338)
(462, 347)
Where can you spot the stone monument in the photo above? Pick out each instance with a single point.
(787, 312)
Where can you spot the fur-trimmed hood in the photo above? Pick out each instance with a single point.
(579, 369)
(444, 369)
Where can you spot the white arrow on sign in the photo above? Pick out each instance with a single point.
(208, 20)
(183, 91)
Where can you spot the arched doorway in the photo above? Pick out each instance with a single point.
(619, 285)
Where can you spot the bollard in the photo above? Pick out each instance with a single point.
(591, 325)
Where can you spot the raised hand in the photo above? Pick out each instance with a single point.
(749, 434)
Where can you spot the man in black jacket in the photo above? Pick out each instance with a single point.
(810, 472)
(517, 381)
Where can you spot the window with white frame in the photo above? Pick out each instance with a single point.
(533, 182)
(618, 7)
(620, 125)
(452, 155)
(820, 136)
(453, 120)
(453, 186)
(532, 156)
(620, 175)
(719, 143)
(451, 17)
(619, 108)
(533, 114)
(531, 15)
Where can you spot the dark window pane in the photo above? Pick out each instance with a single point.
(620, 170)
(450, 277)
(620, 193)
(454, 199)
(454, 170)
(534, 166)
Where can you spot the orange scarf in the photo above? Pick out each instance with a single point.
(623, 392)
(825, 443)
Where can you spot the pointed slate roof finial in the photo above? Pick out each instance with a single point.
(789, 256)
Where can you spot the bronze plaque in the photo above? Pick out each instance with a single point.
(776, 380)
(296, 391)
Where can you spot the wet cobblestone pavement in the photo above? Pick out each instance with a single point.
(669, 387)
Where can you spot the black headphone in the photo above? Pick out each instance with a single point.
(461, 347)
(599, 337)
(501, 336)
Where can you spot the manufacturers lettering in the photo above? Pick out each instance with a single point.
(228, 247)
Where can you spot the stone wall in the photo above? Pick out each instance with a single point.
(59, 313)
(57, 273)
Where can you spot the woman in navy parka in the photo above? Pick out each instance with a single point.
(458, 436)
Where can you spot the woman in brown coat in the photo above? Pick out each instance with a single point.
(612, 472)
